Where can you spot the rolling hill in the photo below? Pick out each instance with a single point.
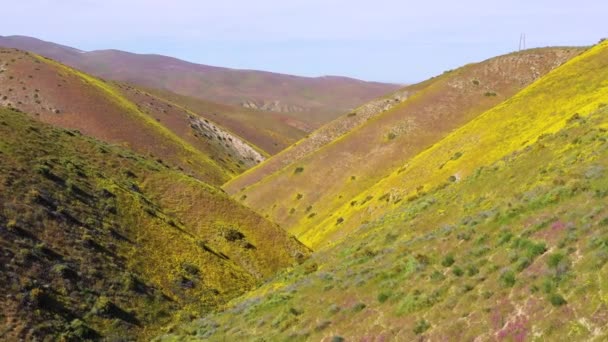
(121, 114)
(101, 243)
(269, 131)
(307, 183)
(496, 232)
(312, 100)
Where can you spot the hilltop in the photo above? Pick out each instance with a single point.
(312, 100)
(307, 183)
(497, 231)
(99, 242)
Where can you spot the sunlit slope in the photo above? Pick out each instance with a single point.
(62, 96)
(271, 131)
(513, 249)
(310, 190)
(322, 136)
(99, 242)
(578, 87)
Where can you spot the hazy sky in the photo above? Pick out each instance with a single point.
(384, 40)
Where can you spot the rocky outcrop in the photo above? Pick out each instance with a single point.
(272, 106)
(234, 145)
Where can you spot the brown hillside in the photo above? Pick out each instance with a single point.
(62, 96)
(313, 186)
(270, 131)
(313, 100)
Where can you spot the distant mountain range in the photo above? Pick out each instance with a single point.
(317, 100)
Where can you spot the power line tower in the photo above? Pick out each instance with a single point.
(522, 41)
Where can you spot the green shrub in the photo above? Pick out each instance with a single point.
(456, 156)
(421, 326)
(557, 300)
(298, 169)
(555, 259)
(448, 261)
(383, 297)
(358, 307)
(43, 170)
(458, 271)
(233, 235)
(507, 278)
(472, 270)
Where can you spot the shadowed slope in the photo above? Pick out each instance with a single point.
(313, 186)
(99, 242)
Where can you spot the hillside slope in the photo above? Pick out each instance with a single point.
(313, 100)
(98, 242)
(65, 97)
(270, 131)
(507, 242)
(311, 185)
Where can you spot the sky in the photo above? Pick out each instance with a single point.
(400, 41)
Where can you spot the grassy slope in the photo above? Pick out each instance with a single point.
(338, 171)
(512, 249)
(542, 107)
(321, 137)
(98, 241)
(269, 130)
(57, 94)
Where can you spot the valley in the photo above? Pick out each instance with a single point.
(145, 198)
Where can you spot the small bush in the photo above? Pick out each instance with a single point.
(43, 170)
(490, 94)
(557, 300)
(475, 82)
(472, 270)
(421, 326)
(298, 169)
(507, 278)
(456, 156)
(339, 220)
(448, 261)
(555, 259)
(299, 196)
(358, 307)
(458, 271)
(233, 235)
(383, 297)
